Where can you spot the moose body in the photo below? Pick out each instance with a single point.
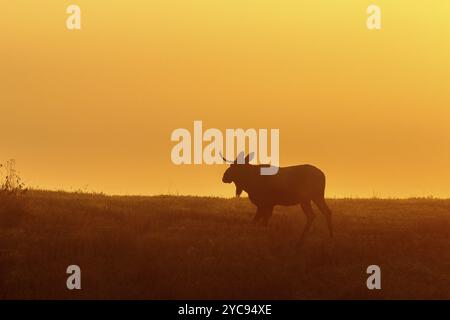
(301, 184)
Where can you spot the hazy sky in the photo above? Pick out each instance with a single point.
(95, 108)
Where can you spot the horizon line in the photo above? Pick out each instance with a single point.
(101, 193)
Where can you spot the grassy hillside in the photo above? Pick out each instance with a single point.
(169, 247)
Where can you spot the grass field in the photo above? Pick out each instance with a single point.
(169, 247)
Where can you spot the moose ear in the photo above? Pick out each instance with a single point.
(249, 157)
(240, 158)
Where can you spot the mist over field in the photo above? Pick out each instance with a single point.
(170, 247)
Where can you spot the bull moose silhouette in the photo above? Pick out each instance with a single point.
(292, 185)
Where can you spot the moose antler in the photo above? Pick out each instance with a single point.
(224, 159)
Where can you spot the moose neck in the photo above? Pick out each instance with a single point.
(249, 180)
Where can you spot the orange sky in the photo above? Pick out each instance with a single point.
(94, 109)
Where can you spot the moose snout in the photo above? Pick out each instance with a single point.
(226, 179)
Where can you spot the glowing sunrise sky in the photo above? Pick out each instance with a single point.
(94, 109)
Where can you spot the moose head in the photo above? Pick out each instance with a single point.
(238, 171)
(237, 167)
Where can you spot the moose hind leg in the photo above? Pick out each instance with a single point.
(323, 207)
(308, 210)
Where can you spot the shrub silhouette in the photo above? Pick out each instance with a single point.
(12, 200)
(12, 182)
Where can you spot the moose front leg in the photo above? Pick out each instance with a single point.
(238, 191)
(264, 213)
(259, 214)
(308, 210)
(267, 214)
